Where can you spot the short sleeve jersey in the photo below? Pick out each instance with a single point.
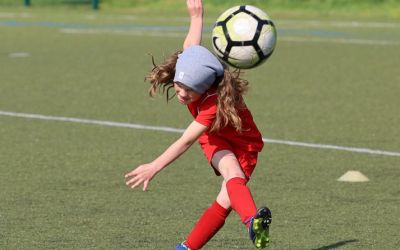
(204, 111)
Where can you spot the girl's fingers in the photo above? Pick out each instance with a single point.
(194, 6)
(132, 180)
(137, 181)
(145, 185)
(198, 3)
(137, 184)
(130, 174)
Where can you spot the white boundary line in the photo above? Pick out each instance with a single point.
(121, 32)
(333, 23)
(177, 130)
(338, 40)
(89, 31)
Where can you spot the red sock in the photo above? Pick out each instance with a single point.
(208, 225)
(241, 199)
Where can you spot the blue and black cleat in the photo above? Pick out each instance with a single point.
(259, 228)
(181, 246)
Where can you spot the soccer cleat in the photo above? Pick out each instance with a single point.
(259, 228)
(181, 246)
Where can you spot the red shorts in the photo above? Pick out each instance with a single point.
(247, 159)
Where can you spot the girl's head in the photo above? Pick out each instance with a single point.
(191, 73)
(198, 69)
(184, 94)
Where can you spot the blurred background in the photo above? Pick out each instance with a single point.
(343, 8)
(75, 116)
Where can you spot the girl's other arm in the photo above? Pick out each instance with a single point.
(195, 10)
(145, 173)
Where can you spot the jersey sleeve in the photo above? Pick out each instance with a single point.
(207, 111)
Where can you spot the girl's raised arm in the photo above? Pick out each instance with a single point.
(195, 11)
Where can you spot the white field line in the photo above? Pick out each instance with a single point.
(341, 24)
(122, 32)
(338, 40)
(180, 34)
(177, 130)
(89, 121)
(14, 15)
(333, 147)
(279, 22)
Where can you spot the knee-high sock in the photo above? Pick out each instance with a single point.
(209, 224)
(241, 199)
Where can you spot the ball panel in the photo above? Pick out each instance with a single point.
(242, 27)
(267, 39)
(219, 41)
(243, 57)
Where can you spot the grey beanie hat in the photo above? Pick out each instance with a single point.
(197, 68)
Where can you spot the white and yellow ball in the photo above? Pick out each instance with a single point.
(244, 36)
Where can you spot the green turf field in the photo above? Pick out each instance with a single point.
(329, 83)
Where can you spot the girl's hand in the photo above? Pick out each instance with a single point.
(195, 8)
(145, 173)
(142, 174)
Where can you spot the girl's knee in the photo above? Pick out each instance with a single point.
(223, 200)
(225, 203)
(223, 197)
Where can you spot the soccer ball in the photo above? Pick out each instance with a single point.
(244, 36)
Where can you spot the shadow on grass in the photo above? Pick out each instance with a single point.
(336, 245)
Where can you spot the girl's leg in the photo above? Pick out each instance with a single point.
(211, 221)
(241, 199)
(239, 194)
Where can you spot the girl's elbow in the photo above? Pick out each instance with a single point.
(188, 144)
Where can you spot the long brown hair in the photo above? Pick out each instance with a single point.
(230, 91)
(161, 77)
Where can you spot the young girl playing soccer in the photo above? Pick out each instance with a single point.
(223, 126)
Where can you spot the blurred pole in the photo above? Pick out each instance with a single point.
(95, 4)
(27, 2)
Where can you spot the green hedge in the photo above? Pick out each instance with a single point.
(44, 2)
(277, 3)
(345, 8)
(349, 8)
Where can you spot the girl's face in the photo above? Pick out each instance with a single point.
(185, 94)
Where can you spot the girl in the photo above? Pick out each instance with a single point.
(223, 126)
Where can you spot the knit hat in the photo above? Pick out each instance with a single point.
(197, 68)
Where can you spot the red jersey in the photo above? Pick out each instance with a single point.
(204, 111)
